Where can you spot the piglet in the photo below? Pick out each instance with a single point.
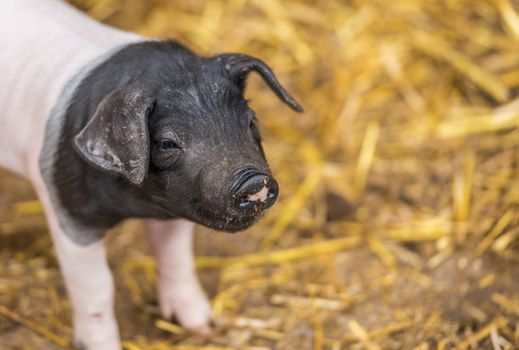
(108, 125)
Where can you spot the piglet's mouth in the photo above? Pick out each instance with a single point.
(237, 224)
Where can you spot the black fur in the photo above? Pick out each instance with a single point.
(199, 133)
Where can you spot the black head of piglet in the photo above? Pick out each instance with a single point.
(174, 130)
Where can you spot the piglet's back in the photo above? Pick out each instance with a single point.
(44, 44)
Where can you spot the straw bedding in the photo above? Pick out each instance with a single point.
(397, 226)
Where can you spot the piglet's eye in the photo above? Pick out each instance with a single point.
(167, 145)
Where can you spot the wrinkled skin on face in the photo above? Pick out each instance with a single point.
(201, 134)
(176, 134)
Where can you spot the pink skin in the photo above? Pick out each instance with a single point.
(180, 293)
(45, 43)
(89, 283)
(261, 195)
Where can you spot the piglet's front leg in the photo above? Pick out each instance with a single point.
(89, 284)
(91, 290)
(180, 293)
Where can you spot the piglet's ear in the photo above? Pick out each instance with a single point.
(116, 137)
(239, 66)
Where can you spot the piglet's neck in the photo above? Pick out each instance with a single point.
(44, 44)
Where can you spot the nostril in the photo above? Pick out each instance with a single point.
(245, 203)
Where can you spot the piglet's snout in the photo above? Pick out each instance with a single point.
(253, 190)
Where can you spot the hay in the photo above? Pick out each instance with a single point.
(397, 223)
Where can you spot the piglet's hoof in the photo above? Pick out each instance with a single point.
(188, 306)
(205, 331)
